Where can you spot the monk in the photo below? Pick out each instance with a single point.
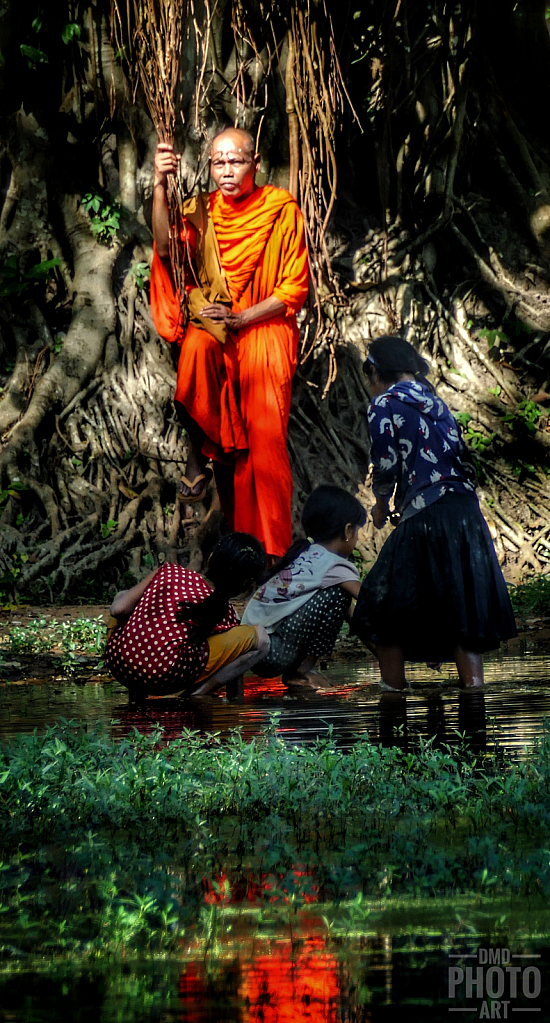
(247, 278)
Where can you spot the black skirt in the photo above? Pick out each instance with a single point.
(437, 584)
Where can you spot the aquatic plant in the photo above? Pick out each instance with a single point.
(128, 845)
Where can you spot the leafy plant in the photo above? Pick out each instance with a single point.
(13, 282)
(47, 635)
(141, 272)
(526, 415)
(14, 489)
(531, 597)
(33, 56)
(495, 337)
(70, 31)
(108, 527)
(477, 441)
(288, 825)
(104, 216)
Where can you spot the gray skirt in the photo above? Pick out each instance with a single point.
(310, 632)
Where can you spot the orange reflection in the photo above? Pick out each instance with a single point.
(283, 985)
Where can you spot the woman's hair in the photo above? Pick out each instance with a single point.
(237, 562)
(391, 356)
(326, 513)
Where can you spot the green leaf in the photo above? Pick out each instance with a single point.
(70, 32)
(32, 55)
(41, 270)
(494, 336)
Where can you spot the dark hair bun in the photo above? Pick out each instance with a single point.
(390, 355)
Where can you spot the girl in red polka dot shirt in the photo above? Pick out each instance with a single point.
(176, 632)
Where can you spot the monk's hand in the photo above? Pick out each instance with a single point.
(166, 162)
(220, 313)
(379, 513)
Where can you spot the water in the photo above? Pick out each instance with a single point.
(383, 977)
(399, 966)
(510, 711)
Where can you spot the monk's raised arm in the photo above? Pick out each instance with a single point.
(166, 162)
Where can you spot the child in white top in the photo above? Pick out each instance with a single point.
(304, 602)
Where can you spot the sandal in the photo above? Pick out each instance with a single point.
(192, 498)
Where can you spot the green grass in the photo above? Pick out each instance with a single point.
(132, 846)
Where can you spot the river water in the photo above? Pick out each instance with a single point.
(412, 967)
(421, 978)
(509, 712)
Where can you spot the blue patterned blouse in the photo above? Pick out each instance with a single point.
(417, 448)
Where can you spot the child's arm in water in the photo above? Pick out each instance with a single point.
(125, 601)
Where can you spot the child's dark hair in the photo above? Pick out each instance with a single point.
(237, 562)
(391, 356)
(326, 513)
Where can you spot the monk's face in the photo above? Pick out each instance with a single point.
(233, 165)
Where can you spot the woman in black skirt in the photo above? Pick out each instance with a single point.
(436, 592)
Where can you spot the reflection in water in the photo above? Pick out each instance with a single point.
(285, 983)
(305, 980)
(509, 711)
(472, 720)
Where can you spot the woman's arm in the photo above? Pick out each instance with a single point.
(385, 458)
(125, 601)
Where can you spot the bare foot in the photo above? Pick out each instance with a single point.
(390, 689)
(308, 680)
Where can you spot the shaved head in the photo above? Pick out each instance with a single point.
(233, 163)
(244, 141)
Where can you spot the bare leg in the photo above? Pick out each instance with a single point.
(236, 667)
(196, 461)
(234, 690)
(392, 666)
(469, 667)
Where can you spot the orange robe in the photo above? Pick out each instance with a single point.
(239, 393)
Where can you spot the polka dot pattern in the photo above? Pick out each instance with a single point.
(153, 650)
(310, 631)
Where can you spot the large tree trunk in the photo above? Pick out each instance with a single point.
(440, 230)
